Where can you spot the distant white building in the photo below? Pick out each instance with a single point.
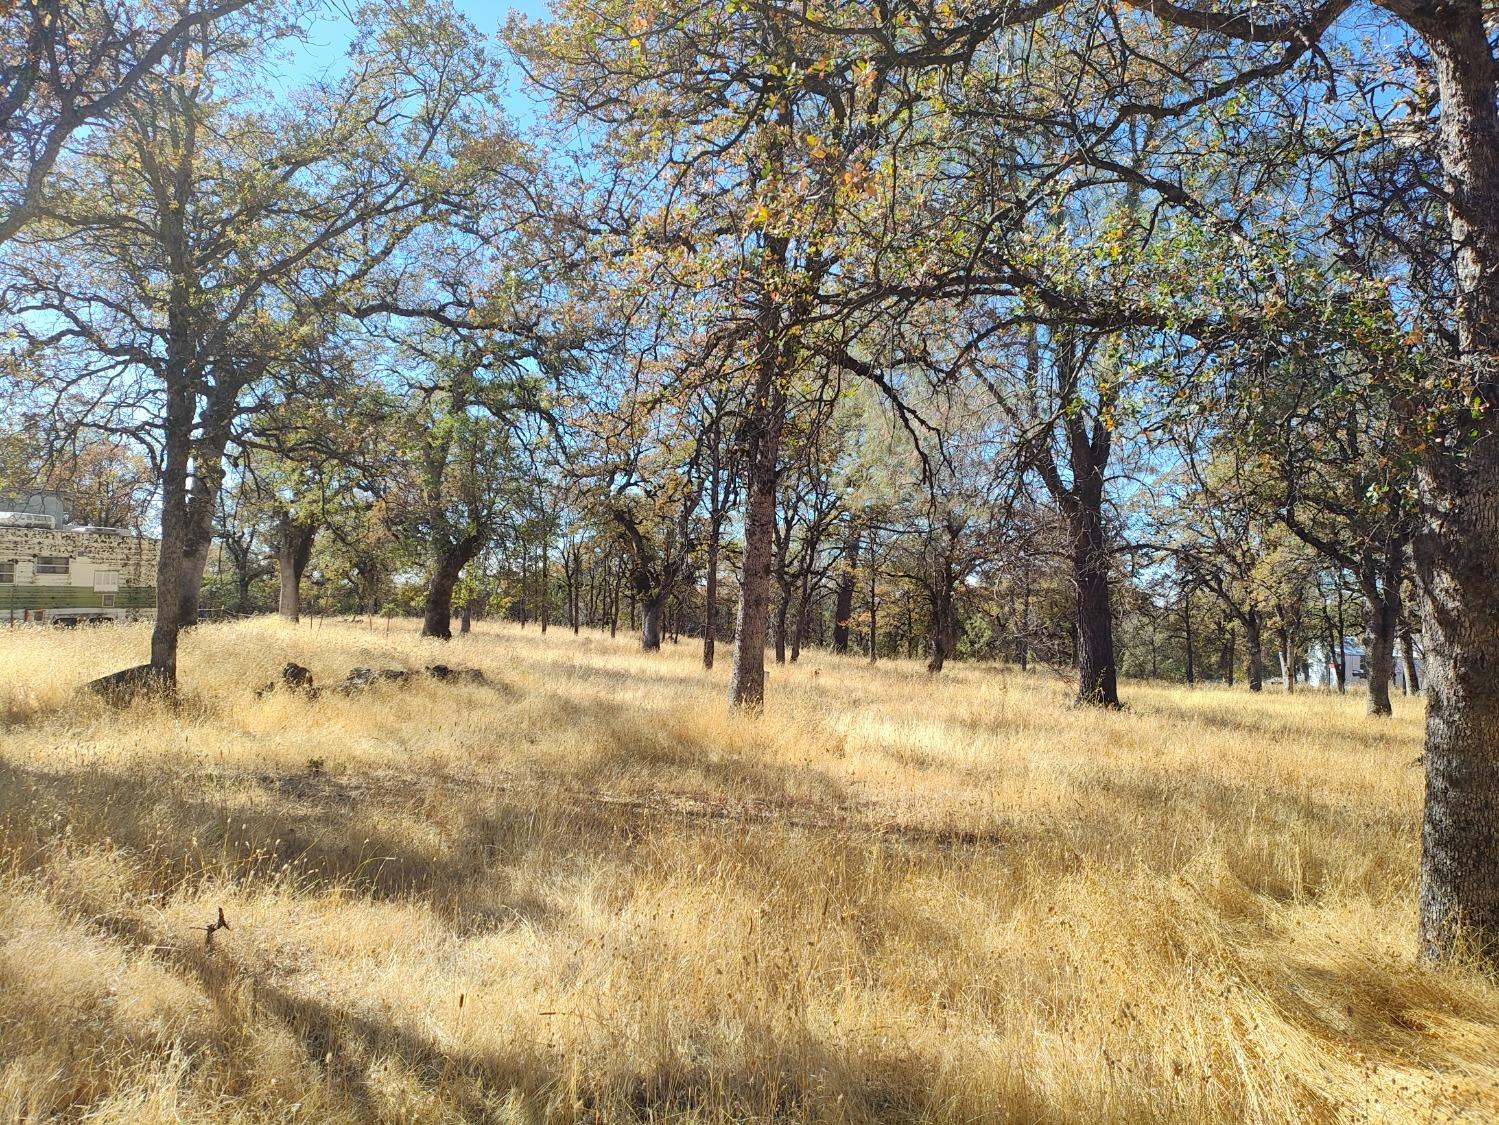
(1323, 672)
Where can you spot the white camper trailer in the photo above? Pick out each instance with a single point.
(55, 571)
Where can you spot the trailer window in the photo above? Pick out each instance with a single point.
(7, 571)
(52, 564)
(109, 601)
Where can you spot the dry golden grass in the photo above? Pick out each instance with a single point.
(587, 892)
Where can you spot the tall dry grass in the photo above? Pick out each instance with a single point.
(589, 893)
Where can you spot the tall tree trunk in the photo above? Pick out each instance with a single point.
(242, 589)
(874, 573)
(1408, 658)
(1381, 619)
(525, 586)
(799, 622)
(447, 568)
(169, 561)
(651, 604)
(208, 476)
(778, 630)
(1187, 622)
(203, 496)
(1459, 898)
(619, 576)
(1254, 650)
(710, 599)
(1342, 648)
(1459, 541)
(194, 568)
(1097, 679)
(544, 598)
(1024, 640)
(293, 550)
(1287, 652)
(1380, 579)
(843, 609)
(944, 639)
(1329, 671)
(747, 679)
(572, 561)
(241, 554)
(1081, 502)
(577, 591)
(466, 617)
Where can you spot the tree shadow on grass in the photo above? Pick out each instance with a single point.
(228, 831)
(790, 1079)
(1385, 1014)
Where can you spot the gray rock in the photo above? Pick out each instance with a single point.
(360, 678)
(144, 681)
(357, 680)
(449, 674)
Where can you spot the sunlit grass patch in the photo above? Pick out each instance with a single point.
(587, 891)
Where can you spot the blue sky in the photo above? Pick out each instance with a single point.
(328, 38)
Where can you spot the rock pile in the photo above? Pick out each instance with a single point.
(125, 687)
(456, 675)
(296, 678)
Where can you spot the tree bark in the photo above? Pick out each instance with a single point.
(293, 549)
(544, 599)
(747, 679)
(1097, 678)
(1024, 640)
(843, 609)
(1341, 650)
(242, 589)
(650, 620)
(1408, 657)
(944, 625)
(1459, 540)
(1379, 652)
(710, 600)
(447, 568)
(572, 561)
(169, 562)
(1187, 624)
(619, 575)
(525, 587)
(203, 498)
(1254, 649)
(783, 612)
(1081, 501)
(1460, 831)
(194, 567)
(799, 622)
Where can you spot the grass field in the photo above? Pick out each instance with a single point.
(586, 892)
